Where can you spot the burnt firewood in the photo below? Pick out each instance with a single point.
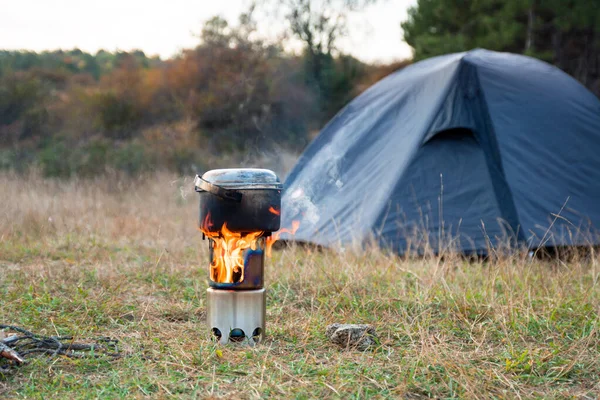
(10, 354)
(19, 347)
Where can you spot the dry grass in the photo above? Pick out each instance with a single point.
(123, 258)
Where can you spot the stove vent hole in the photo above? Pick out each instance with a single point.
(217, 333)
(237, 335)
(256, 334)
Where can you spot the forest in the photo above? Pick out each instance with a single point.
(564, 33)
(69, 112)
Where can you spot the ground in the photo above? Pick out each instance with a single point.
(123, 258)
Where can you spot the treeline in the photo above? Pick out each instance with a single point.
(70, 112)
(235, 94)
(70, 62)
(565, 33)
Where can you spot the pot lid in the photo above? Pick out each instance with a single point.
(243, 178)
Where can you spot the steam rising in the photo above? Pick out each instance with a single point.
(297, 204)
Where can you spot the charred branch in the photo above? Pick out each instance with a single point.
(14, 349)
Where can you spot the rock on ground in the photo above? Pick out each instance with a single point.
(355, 336)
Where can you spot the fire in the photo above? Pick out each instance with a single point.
(275, 236)
(275, 211)
(228, 247)
(207, 223)
(227, 265)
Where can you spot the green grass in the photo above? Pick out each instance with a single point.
(448, 328)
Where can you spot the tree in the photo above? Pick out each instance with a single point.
(563, 32)
(437, 27)
(318, 25)
(239, 88)
(216, 32)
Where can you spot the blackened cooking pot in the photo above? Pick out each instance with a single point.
(246, 199)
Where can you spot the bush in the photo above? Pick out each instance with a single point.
(183, 161)
(91, 159)
(55, 160)
(117, 117)
(18, 94)
(15, 159)
(131, 158)
(6, 159)
(35, 121)
(62, 159)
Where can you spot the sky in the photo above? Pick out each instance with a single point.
(166, 27)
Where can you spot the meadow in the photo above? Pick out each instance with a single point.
(122, 257)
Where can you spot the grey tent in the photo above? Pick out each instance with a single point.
(467, 150)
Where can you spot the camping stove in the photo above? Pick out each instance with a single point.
(239, 209)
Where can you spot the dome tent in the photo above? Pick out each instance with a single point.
(466, 150)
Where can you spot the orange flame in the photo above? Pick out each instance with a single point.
(275, 211)
(207, 223)
(275, 236)
(227, 265)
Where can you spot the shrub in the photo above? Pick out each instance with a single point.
(91, 159)
(117, 116)
(55, 160)
(131, 158)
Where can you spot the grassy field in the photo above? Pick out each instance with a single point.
(122, 258)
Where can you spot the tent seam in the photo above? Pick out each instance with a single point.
(491, 131)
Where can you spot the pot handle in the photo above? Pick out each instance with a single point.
(202, 185)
